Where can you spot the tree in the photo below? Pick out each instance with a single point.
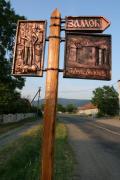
(106, 99)
(8, 84)
(61, 108)
(42, 107)
(71, 108)
(8, 21)
(7, 98)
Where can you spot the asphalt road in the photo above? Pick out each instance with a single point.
(96, 147)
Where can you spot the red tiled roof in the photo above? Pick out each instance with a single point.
(87, 106)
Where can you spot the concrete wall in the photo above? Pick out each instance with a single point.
(88, 112)
(7, 118)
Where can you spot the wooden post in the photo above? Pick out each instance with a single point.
(51, 96)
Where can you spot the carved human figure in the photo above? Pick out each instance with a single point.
(20, 45)
(29, 46)
(38, 46)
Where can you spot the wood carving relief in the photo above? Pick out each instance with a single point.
(88, 56)
(29, 48)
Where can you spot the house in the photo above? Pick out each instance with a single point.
(88, 109)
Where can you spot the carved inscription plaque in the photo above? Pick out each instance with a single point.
(29, 48)
(86, 23)
(88, 56)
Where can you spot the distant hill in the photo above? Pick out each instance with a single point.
(77, 102)
(65, 102)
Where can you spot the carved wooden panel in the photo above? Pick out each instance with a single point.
(29, 48)
(88, 56)
(86, 23)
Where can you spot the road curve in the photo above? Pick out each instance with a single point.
(96, 147)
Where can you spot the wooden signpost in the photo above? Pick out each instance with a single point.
(51, 96)
(86, 56)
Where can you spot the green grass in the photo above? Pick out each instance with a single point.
(64, 158)
(9, 126)
(21, 160)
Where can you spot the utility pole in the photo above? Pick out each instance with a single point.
(39, 90)
(119, 95)
(38, 93)
(51, 96)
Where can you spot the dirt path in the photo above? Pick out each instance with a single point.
(12, 135)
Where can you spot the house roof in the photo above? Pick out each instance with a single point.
(87, 106)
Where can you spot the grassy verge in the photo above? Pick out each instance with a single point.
(6, 127)
(63, 155)
(21, 159)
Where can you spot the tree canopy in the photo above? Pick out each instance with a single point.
(106, 99)
(61, 108)
(8, 83)
(8, 23)
(71, 108)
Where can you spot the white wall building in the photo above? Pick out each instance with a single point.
(88, 109)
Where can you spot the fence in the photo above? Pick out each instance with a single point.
(7, 118)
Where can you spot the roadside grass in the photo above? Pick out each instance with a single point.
(64, 157)
(9, 126)
(21, 160)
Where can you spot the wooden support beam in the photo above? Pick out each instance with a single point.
(51, 96)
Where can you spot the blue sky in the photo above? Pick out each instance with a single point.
(73, 88)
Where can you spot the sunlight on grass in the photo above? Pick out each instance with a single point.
(21, 160)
